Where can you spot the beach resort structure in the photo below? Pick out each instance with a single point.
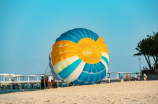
(12, 80)
(9, 80)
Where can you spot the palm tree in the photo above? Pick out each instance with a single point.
(143, 48)
(154, 48)
(149, 48)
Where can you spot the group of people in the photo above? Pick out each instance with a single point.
(137, 77)
(49, 82)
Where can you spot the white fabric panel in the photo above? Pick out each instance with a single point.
(64, 63)
(105, 64)
(105, 55)
(55, 75)
(75, 74)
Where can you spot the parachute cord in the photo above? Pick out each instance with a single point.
(48, 72)
(46, 69)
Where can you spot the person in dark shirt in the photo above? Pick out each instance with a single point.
(42, 83)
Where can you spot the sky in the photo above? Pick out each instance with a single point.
(29, 28)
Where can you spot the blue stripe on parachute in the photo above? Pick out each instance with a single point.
(86, 67)
(78, 82)
(85, 32)
(105, 59)
(99, 67)
(77, 34)
(88, 78)
(69, 69)
(90, 68)
(89, 34)
(103, 74)
(67, 38)
(94, 78)
(95, 69)
(102, 65)
(92, 73)
(82, 76)
(99, 76)
(95, 36)
(72, 34)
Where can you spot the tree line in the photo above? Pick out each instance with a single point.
(148, 47)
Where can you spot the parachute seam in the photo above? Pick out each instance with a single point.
(93, 39)
(77, 35)
(90, 38)
(99, 48)
(65, 52)
(86, 36)
(82, 35)
(72, 37)
(98, 44)
(80, 32)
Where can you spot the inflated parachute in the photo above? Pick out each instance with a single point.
(79, 56)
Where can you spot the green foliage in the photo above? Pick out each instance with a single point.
(148, 47)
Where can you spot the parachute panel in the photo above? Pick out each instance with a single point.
(69, 69)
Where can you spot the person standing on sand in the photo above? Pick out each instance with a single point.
(71, 84)
(145, 77)
(136, 77)
(50, 82)
(108, 80)
(55, 84)
(46, 81)
(42, 83)
(128, 77)
(122, 80)
(13, 82)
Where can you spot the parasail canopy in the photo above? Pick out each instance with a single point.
(80, 56)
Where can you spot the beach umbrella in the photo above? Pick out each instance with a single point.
(79, 56)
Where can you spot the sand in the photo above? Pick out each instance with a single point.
(137, 92)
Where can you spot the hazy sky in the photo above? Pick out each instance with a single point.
(29, 28)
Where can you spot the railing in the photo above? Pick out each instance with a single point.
(31, 81)
(111, 79)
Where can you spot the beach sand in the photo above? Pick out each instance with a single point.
(137, 92)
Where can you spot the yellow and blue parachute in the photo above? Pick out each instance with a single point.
(80, 56)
